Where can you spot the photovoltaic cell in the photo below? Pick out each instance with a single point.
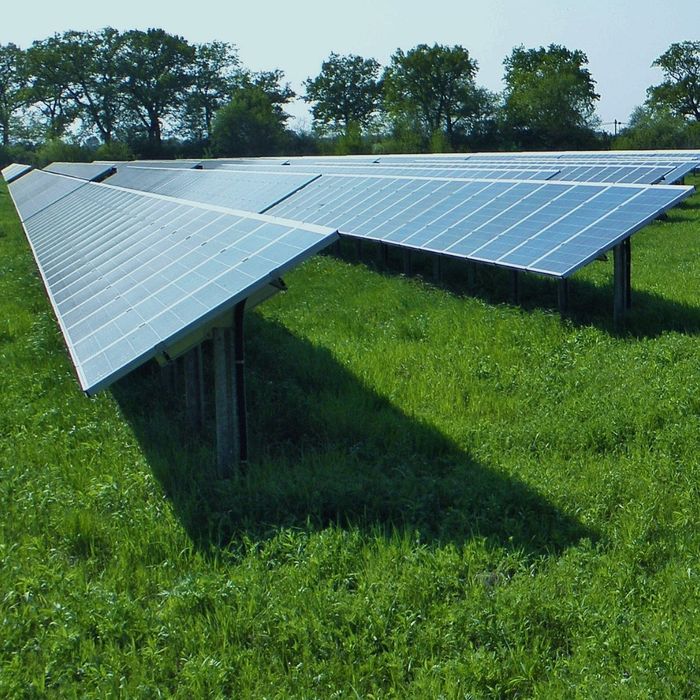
(242, 188)
(14, 171)
(38, 189)
(546, 227)
(131, 273)
(95, 172)
(433, 171)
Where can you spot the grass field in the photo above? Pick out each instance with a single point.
(449, 496)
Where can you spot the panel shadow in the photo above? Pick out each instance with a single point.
(327, 449)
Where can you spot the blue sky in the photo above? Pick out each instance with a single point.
(621, 39)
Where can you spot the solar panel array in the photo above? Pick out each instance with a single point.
(250, 189)
(95, 172)
(138, 263)
(14, 171)
(130, 273)
(545, 227)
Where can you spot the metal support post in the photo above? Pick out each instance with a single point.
(515, 286)
(239, 359)
(437, 268)
(620, 273)
(563, 296)
(407, 263)
(628, 264)
(222, 399)
(192, 395)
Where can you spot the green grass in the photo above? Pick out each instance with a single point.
(449, 496)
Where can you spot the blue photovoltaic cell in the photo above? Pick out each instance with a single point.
(14, 171)
(95, 172)
(130, 273)
(38, 189)
(243, 188)
(432, 171)
(144, 179)
(179, 164)
(247, 189)
(633, 175)
(547, 227)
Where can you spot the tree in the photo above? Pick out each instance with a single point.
(658, 127)
(680, 90)
(47, 90)
(549, 97)
(433, 87)
(156, 67)
(249, 125)
(12, 85)
(214, 72)
(345, 94)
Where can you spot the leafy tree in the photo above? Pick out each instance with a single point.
(549, 97)
(156, 67)
(433, 87)
(214, 72)
(12, 85)
(89, 66)
(47, 90)
(249, 125)
(345, 94)
(657, 127)
(680, 90)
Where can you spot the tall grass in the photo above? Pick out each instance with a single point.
(450, 496)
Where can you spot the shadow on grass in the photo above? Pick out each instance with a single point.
(328, 450)
(589, 304)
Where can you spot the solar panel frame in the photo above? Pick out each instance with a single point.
(38, 189)
(14, 171)
(62, 238)
(494, 210)
(94, 172)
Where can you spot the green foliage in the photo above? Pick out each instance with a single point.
(433, 88)
(156, 65)
(114, 150)
(58, 150)
(345, 95)
(214, 71)
(549, 98)
(12, 89)
(655, 128)
(679, 93)
(248, 126)
(449, 496)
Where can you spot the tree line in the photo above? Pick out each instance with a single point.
(113, 95)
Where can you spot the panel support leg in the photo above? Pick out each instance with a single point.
(515, 286)
(407, 263)
(202, 388)
(471, 275)
(437, 268)
(628, 264)
(383, 255)
(358, 249)
(222, 398)
(239, 359)
(620, 285)
(563, 296)
(192, 395)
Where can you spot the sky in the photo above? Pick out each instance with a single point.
(620, 38)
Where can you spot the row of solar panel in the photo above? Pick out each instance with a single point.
(131, 271)
(547, 227)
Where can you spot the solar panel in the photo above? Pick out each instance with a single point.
(95, 172)
(180, 164)
(38, 189)
(131, 273)
(433, 171)
(242, 188)
(14, 171)
(546, 227)
(145, 179)
(612, 173)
